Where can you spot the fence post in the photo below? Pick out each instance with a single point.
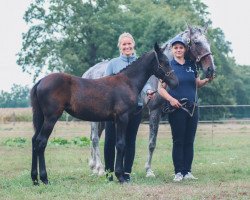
(212, 124)
(14, 118)
(67, 119)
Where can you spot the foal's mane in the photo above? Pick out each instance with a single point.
(140, 59)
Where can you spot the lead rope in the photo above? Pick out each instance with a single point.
(136, 113)
(191, 115)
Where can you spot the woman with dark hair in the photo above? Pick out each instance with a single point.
(184, 118)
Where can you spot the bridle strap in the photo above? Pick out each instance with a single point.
(160, 67)
(198, 59)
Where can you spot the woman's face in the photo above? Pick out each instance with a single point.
(127, 46)
(178, 50)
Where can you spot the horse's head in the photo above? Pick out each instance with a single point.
(163, 70)
(199, 49)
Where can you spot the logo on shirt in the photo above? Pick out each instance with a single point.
(189, 70)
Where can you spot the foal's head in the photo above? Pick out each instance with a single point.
(163, 69)
(199, 49)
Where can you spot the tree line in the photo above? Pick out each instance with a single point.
(72, 35)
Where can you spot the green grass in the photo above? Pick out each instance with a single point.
(221, 163)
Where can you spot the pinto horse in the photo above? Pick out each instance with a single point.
(198, 50)
(109, 98)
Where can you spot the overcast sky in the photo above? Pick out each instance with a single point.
(231, 16)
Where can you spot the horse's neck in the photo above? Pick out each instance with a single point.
(139, 73)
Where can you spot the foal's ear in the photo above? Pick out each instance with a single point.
(157, 48)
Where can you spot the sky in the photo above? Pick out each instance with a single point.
(231, 16)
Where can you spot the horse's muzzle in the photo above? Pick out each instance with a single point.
(210, 72)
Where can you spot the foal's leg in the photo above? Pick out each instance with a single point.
(154, 120)
(34, 168)
(41, 143)
(95, 162)
(37, 126)
(120, 146)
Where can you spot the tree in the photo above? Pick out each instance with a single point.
(17, 97)
(73, 35)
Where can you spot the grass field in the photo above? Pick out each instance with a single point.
(222, 164)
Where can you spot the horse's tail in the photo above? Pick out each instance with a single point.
(38, 117)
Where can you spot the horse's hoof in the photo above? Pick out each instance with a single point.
(45, 182)
(120, 177)
(101, 172)
(95, 171)
(150, 174)
(121, 180)
(91, 164)
(35, 183)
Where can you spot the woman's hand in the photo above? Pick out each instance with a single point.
(150, 94)
(175, 103)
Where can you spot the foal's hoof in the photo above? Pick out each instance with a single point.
(45, 182)
(120, 178)
(35, 183)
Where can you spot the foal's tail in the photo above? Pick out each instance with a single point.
(38, 117)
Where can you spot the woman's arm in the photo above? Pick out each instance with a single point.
(163, 92)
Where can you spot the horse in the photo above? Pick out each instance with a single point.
(111, 98)
(198, 51)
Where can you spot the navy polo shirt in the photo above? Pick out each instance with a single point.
(186, 74)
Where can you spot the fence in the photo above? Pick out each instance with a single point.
(207, 114)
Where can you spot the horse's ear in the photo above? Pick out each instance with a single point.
(187, 24)
(205, 28)
(189, 27)
(157, 48)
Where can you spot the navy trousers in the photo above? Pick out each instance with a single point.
(110, 140)
(183, 128)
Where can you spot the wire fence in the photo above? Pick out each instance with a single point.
(207, 114)
(224, 113)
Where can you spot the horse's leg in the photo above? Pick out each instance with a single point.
(92, 161)
(41, 143)
(99, 164)
(37, 123)
(121, 126)
(95, 162)
(34, 170)
(154, 119)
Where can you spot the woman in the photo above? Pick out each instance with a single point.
(126, 45)
(184, 119)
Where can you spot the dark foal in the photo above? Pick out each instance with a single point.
(104, 99)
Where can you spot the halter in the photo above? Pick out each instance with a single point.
(199, 57)
(160, 71)
(160, 68)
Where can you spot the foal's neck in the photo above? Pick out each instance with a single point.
(140, 72)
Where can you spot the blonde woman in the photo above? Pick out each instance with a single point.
(126, 45)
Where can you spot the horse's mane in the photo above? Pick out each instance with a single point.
(135, 62)
(167, 45)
